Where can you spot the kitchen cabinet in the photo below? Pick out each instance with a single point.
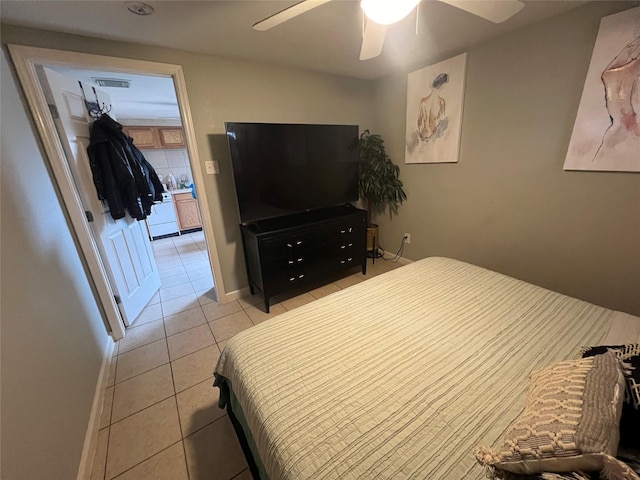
(188, 211)
(156, 137)
(171, 137)
(143, 137)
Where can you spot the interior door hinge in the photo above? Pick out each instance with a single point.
(54, 111)
(117, 299)
(89, 216)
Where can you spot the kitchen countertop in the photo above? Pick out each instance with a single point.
(179, 190)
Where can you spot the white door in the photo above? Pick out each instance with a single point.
(124, 244)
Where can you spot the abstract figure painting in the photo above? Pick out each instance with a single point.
(435, 96)
(606, 134)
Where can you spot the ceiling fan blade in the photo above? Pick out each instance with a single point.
(287, 14)
(372, 40)
(494, 11)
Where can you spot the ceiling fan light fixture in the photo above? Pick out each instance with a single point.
(386, 12)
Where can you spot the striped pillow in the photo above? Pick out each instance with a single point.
(570, 422)
(630, 421)
(629, 354)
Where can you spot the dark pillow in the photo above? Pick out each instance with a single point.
(630, 420)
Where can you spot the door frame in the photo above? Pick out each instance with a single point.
(25, 60)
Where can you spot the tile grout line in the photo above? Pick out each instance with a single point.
(238, 475)
(139, 463)
(243, 308)
(173, 385)
(207, 321)
(146, 371)
(143, 409)
(106, 457)
(199, 429)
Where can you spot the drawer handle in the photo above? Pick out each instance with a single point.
(289, 245)
(343, 246)
(342, 261)
(350, 245)
(299, 242)
(301, 276)
(349, 259)
(300, 259)
(350, 228)
(343, 231)
(292, 279)
(290, 262)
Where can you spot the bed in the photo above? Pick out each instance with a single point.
(403, 375)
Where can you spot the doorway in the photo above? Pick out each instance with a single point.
(27, 61)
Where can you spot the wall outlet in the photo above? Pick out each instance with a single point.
(406, 238)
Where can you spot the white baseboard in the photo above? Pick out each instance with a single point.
(401, 260)
(235, 295)
(91, 437)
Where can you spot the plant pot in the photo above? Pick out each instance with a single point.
(372, 238)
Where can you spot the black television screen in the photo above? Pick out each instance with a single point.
(288, 168)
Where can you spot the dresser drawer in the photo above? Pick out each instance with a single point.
(291, 246)
(346, 235)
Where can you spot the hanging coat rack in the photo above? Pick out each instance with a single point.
(94, 108)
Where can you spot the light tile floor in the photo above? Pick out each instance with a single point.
(160, 418)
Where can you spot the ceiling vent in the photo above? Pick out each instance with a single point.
(112, 82)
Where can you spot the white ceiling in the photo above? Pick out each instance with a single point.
(326, 39)
(148, 97)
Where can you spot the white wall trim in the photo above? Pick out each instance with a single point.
(236, 294)
(91, 437)
(25, 60)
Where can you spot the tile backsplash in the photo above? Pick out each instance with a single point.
(175, 161)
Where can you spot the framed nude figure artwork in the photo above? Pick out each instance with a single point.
(435, 96)
(606, 133)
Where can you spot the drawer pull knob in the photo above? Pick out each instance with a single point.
(289, 245)
(301, 276)
(292, 279)
(349, 259)
(300, 259)
(290, 262)
(299, 242)
(343, 231)
(342, 261)
(350, 245)
(343, 246)
(350, 229)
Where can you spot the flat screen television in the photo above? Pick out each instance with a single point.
(281, 169)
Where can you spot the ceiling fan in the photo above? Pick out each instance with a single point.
(380, 14)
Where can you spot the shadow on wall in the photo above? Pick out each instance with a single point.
(219, 147)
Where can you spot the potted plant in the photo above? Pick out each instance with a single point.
(378, 183)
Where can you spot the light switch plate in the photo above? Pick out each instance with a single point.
(212, 167)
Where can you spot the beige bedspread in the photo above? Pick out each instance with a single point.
(403, 375)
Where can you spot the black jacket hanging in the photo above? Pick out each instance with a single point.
(121, 174)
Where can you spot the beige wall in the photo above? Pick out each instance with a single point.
(508, 205)
(53, 337)
(222, 90)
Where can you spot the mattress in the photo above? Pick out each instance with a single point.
(403, 375)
